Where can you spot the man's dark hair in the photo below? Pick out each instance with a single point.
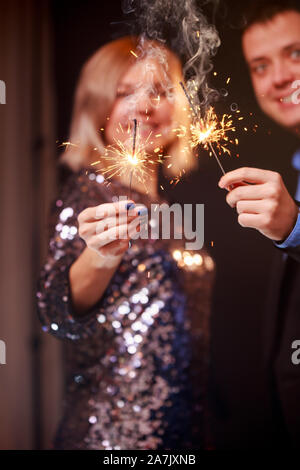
(261, 11)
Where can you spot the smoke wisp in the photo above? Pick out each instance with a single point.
(181, 25)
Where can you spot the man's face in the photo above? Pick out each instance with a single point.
(272, 51)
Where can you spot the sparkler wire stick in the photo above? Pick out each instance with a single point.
(133, 152)
(216, 157)
(197, 117)
(189, 100)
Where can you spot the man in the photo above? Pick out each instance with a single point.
(271, 47)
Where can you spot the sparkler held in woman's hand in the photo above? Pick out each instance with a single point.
(133, 153)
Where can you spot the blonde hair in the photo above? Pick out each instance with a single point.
(95, 95)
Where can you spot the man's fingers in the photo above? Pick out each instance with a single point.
(250, 207)
(258, 191)
(252, 220)
(251, 175)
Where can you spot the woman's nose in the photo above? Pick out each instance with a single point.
(144, 105)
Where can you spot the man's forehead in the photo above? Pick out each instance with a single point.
(272, 36)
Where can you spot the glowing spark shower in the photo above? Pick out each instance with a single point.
(208, 130)
(212, 130)
(128, 156)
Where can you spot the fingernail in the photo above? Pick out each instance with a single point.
(130, 205)
(142, 211)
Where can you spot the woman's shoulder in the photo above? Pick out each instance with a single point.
(77, 190)
(81, 186)
(88, 187)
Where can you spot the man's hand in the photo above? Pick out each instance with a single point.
(265, 204)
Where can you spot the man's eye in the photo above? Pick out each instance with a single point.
(295, 54)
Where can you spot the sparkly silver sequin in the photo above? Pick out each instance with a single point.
(136, 362)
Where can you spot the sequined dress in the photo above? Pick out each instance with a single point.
(136, 363)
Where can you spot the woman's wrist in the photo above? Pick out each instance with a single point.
(99, 261)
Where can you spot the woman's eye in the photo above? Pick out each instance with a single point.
(156, 97)
(259, 69)
(163, 94)
(295, 54)
(122, 94)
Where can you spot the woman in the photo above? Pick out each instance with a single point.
(134, 317)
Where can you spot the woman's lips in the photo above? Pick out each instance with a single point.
(146, 130)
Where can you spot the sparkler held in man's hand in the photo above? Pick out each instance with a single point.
(203, 136)
(209, 130)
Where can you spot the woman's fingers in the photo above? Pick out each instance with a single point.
(111, 222)
(114, 241)
(88, 229)
(108, 228)
(120, 232)
(114, 209)
(111, 209)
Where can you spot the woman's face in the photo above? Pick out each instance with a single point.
(142, 93)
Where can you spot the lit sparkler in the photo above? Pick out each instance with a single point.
(209, 130)
(128, 156)
(134, 160)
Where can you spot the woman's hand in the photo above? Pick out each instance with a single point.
(107, 228)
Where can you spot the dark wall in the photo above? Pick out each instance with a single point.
(243, 257)
(80, 27)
